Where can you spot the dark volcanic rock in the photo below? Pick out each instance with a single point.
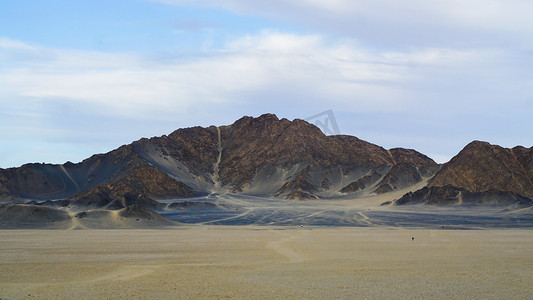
(449, 195)
(481, 166)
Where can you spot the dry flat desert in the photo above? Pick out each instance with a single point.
(260, 262)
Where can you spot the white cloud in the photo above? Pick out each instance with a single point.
(290, 74)
(138, 86)
(437, 23)
(460, 67)
(6, 43)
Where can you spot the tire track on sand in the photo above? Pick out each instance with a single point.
(283, 247)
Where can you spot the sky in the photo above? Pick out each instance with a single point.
(84, 77)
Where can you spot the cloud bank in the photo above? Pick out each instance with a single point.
(437, 23)
(341, 73)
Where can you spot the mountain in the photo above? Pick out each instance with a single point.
(480, 174)
(296, 160)
(183, 175)
(481, 166)
(262, 156)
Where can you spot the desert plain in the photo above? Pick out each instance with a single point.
(266, 262)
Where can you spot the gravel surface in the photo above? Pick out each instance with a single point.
(220, 262)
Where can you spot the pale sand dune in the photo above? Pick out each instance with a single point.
(213, 262)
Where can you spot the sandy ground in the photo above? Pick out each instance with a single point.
(204, 262)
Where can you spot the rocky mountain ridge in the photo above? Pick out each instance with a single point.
(266, 157)
(258, 156)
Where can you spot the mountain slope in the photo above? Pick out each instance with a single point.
(289, 157)
(481, 166)
(480, 174)
(48, 181)
(259, 156)
(138, 187)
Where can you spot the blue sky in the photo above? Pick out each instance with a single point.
(84, 77)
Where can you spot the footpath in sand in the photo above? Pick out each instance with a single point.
(214, 262)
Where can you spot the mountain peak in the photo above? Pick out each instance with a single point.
(477, 145)
(268, 116)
